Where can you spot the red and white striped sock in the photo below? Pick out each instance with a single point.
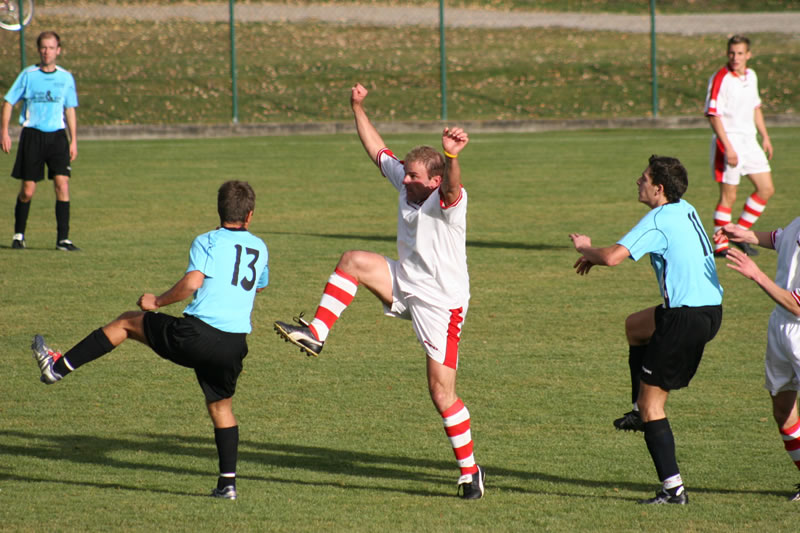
(753, 208)
(457, 426)
(338, 294)
(722, 216)
(791, 441)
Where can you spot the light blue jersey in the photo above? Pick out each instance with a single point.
(44, 96)
(235, 263)
(680, 252)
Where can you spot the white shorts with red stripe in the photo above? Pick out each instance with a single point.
(782, 362)
(750, 155)
(438, 329)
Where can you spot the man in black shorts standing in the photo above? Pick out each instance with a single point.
(49, 100)
(227, 267)
(675, 332)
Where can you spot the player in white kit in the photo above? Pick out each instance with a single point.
(428, 283)
(782, 361)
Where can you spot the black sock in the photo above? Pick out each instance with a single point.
(661, 445)
(95, 345)
(21, 211)
(62, 220)
(227, 440)
(635, 358)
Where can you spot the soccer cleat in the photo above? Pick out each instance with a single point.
(45, 357)
(630, 421)
(67, 246)
(226, 493)
(796, 496)
(18, 242)
(470, 486)
(301, 336)
(662, 496)
(746, 248)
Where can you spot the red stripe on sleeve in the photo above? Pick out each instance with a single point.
(715, 86)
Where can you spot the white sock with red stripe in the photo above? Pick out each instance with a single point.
(457, 426)
(722, 216)
(791, 441)
(753, 208)
(338, 294)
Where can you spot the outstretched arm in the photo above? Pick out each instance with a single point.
(370, 138)
(590, 256)
(738, 234)
(741, 263)
(453, 141)
(184, 288)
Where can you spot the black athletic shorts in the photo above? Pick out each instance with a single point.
(216, 356)
(37, 148)
(676, 347)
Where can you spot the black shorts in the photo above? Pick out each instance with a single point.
(37, 148)
(676, 347)
(216, 356)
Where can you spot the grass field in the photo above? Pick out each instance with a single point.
(350, 441)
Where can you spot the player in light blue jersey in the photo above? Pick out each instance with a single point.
(227, 267)
(49, 99)
(666, 341)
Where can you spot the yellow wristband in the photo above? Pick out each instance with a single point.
(451, 156)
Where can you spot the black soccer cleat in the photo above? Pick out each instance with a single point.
(470, 486)
(67, 246)
(301, 336)
(721, 254)
(746, 248)
(662, 496)
(796, 496)
(226, 493)
(18, 242)
(630, 421)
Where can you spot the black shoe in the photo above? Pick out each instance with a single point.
(746, 248)
(301, 336)
(630, 421)
(662, 496)
(226, 493)
(18, 242)
(470, 486)
(67, 246)
(721, 254)
(796, 496)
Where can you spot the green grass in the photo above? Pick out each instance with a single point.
(178, 72)
(350, 441)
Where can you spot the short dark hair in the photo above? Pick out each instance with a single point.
(670, 173)
(430, 157)
(738, 39)
(235, 200)
(47, 35)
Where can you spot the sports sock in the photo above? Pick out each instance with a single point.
(457, 426)
(791, 441)
(21, 211)
(95, 345)
(62, 220)
(338, 294)
(753, 208)
(722, 216)
(661, 445)
(227, 440)
(635, 358)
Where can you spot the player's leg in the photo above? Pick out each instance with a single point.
(639, 327)
(63, 243)
(226, 438)
(723, 214)
(21, 210)
(354, 268)
(29, 169)
(756, 203)
(54, 366)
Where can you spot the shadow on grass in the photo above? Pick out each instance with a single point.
(386, 238)
(348, 466)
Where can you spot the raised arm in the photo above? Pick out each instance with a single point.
(370, 138)
(590, 256)
(453, 141)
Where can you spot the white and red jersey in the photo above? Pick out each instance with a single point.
(734, 99)
(787, 276)
(431, 242)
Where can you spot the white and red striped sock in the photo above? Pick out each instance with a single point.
(457, 426)
(791, 441)
(722, 216)
(338, 294)
(753, 208)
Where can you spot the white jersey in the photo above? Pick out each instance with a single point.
(787, 243)
(431, 242)
(734, 99)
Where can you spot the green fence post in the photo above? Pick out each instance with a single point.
(21, 36)
(442, 60)
(234, 90)
(654, 74)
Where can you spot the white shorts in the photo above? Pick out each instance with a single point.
(438, 329)
(782, 362)
(751, 159)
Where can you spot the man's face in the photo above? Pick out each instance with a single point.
(417, 182)
(738, 55)
(647, 191)
(48, 51)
